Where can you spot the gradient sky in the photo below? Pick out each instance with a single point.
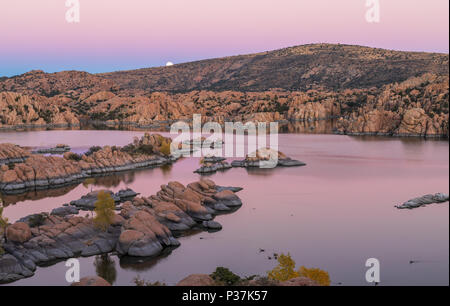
(128, 34)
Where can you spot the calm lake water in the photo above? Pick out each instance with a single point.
(333, 214)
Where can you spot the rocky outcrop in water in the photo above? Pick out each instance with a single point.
(40, 172)
(212, 164)
(144, 227)
(267, 158)
(59, 149)
(424, 200)
(87, 202)
(11, 153)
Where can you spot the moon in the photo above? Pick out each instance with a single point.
(169, 64)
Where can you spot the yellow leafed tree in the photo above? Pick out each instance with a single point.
(165, 148)
(320, 276)
(104, 210)
(285, 269)
(3, 225)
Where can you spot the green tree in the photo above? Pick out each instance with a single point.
(104, 210)
(224, 276)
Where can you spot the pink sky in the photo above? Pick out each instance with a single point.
(128, 34)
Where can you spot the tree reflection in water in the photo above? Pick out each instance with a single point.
(105, 267)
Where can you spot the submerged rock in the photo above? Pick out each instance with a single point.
(425, 200)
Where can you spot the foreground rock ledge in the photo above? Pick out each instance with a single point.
(144, 227)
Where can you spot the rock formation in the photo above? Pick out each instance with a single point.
(40, 172)
(267, 158)
(424, 200)
(59, 149)
(346, 83)
(144, 227)
(11, 153)
(212, 164)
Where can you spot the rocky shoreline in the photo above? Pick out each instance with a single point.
(42, 172)
(144, 227)
(417, 106)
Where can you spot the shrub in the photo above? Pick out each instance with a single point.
(225, 276)
(37, 220)
(142, 282)
(92, 150)
(74, 156)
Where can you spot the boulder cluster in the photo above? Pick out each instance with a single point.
(11, 153)
(144, 227)
(424, 200)
(211, 164)
(267, 158)
(40, 171)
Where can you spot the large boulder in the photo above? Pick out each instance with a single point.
(18, 232)
(92, 281)
(197, 280)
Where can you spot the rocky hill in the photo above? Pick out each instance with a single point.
(366, 90)
(318, 66)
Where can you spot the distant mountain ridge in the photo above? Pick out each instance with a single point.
(317, 66)
(365, 91)
(300, 68)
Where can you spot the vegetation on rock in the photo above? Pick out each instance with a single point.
(224, 276)
(104, 211)
(285, 270)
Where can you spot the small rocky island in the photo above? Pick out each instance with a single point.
(211, 164)
(261, 158)
(424, 200)
(144, 227)
(58, 149)
(20, 170)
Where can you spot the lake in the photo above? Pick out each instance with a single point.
(333, 214)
